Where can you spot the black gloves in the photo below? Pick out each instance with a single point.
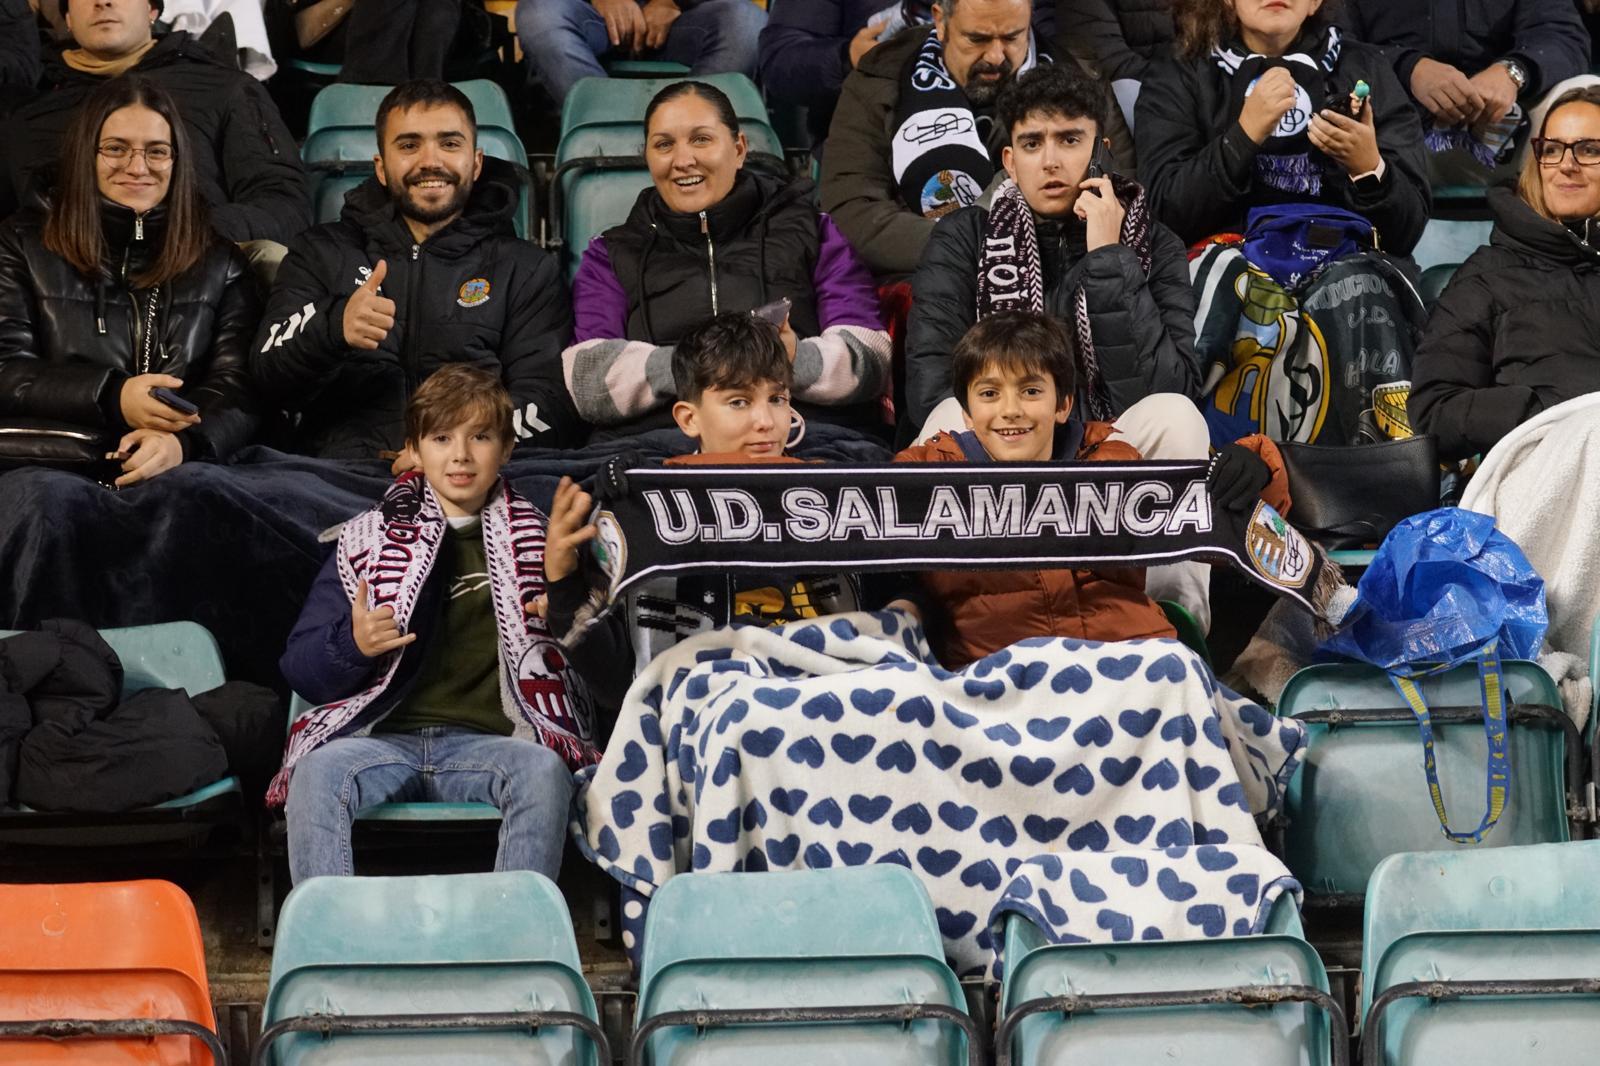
(1237, 477)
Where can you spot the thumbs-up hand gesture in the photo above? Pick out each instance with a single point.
(368, 316)
(376, 632)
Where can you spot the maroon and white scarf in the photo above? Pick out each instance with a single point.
(393, 548)
(1011, 274)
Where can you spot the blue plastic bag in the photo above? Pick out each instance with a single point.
(1442, 585)
(1446, 588)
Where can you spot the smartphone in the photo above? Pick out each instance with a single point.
(1348, 104)
(775, 312)
(1099, 163)
(174, 401)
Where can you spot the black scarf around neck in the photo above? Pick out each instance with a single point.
(1287, 162)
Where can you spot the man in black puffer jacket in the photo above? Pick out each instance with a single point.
(245, 160)
(423, 268)
(1137, 304)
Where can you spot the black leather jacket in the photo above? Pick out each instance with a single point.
(67, 342)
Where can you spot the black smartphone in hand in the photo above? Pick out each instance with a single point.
(174, 401)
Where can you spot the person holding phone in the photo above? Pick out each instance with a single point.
(712, 235)
(125, 321)
(1066, 237)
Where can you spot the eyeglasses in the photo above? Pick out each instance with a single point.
(156, 156)
(1551, 153)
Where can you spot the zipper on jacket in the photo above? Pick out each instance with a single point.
(408, 354)
(138, 227)
(711, 258)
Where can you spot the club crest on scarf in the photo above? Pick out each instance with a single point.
(541, 682)
(1276, 549)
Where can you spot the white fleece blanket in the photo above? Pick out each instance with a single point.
(842, 741)
(1535, 484)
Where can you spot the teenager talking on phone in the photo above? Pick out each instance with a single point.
(1062, 235)
(712, 235)
(125, 321)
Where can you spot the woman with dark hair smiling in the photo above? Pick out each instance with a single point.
(711, 236)
(124, 320)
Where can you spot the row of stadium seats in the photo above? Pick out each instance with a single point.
(1465, 955)
(1358, 798)
(599, 164)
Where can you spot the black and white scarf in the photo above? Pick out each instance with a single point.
(672, 521)
(393, 548)
(1011, 277)
(940, 158)
(1286, 162)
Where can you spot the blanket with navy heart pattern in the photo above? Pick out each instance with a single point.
(842, 741)
(1200, 892)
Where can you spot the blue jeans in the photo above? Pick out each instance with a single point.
(563, 40)
(528, 783)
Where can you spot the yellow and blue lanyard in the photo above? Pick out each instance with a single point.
(1498, 783)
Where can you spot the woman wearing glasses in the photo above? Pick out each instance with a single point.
(124, 319)
(1518, 328)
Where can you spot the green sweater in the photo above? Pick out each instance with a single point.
(458, 683)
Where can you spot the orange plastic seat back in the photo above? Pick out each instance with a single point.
(127, 949)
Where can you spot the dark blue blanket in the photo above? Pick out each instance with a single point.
(235, 547)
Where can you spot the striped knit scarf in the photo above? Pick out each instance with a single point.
(1011, 278)
(393, 548)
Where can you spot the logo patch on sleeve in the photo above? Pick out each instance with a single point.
(473, 292)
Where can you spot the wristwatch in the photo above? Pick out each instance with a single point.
(1517, 73)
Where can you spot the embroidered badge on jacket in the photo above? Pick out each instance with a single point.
(473, 292)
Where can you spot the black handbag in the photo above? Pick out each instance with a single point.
(1351, 495)
(36, 442)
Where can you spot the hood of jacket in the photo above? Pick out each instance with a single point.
(488, 212)
(754, 195)
(175, 47)
(1519, 228)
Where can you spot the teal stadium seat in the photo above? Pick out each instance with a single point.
(415, 815)
(341, 140)
(1360, 794)
(816, 967)
(1434, 280)
(1473, 958)
(600, 167)
(1189, 631)
(1261, 1000)
(182, 655)
(386, 971)
(1450, 240)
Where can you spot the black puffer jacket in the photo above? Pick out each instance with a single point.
(1143, 327)
(245, 159)
(1123, 36)
(1516, 331)
(473, 293)
(67, 343)
(1199, 164)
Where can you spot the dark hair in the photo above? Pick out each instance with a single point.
(455, 395)
(1019, 341)
(425, 92)
(1051, 89)
(74, 229)
(1203, 24)
(729, 351)
(709, 93)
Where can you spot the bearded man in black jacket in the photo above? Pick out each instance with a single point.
(423, 268)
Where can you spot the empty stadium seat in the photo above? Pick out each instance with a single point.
(96, 954)
(811, 967)
(600, 167)
(1360, 794)
(1219, 1024)
(382, 970)
(1189, 631)
(341, 139)
(182, 655)
(1450, 940)
(1450, 240)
